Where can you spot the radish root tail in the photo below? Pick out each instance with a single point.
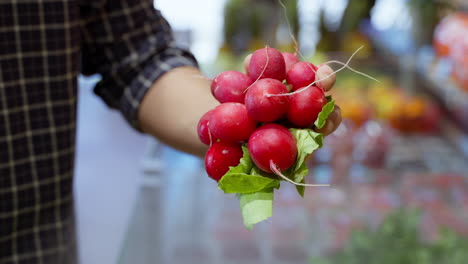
(209, 134)
(263, 71)
(293, 38)
(276, 171)
(345, 65)
(351, 69)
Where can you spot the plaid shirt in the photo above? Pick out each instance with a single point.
(44, 44)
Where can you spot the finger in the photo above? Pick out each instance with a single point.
(327, 129)
(324, 71)
(337, 118)
(333, 122)
(309, 157)
(246, 63)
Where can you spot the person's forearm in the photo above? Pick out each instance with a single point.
(172, 107)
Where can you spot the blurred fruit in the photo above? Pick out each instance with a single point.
(450, 31)
(460, 57)
(387, 102)
(415, 114)
(372, 144)
(431, 119)
(356, 109)
(451, 41)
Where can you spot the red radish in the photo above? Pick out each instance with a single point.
(202, 129)
(229, 86)
(289, 60)
(272, 143)
(266, 109)
(220, 156)
(301, 74)
(230, 122)
(246, 64)
(267, 63)
(305, 106)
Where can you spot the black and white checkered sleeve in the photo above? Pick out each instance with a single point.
(131, 45)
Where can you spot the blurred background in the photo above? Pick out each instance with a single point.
(398, 164)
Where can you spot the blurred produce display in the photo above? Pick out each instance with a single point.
(362, 100)
(396, 165)
(410, 218)
(451, 42)
(400, 239)
(433, 52)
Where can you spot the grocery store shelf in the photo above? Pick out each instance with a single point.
(423, 62)
(433, 74)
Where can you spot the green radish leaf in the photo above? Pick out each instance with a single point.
(256, 207)
(255, 187)
(307, 142)
(323, 115)
(245, 183)
(258, 172)
(246, 178)
(301, 189)
(245, 165)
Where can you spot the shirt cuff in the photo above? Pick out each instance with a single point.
(130, 100)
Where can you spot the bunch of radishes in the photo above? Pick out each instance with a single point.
(257, 109)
